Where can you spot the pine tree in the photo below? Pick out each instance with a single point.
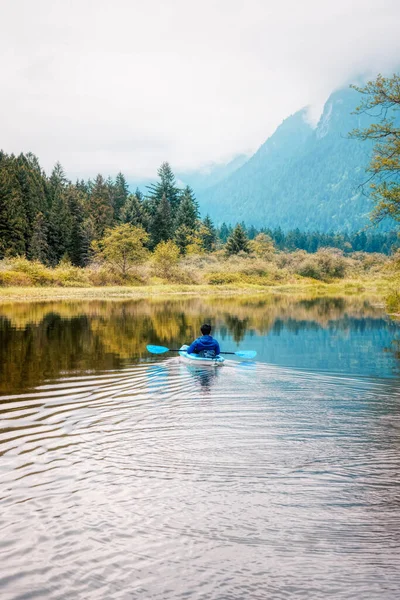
(161, 226)
(120, 195)
(100, 207)
(13, 221)
(359, 241)
(184, 236)
(57, 178)
(78, 246)
(208, 234)
(111, 190)
(59, 223)
(252, 232)
(279, 238)
(224, 232)
(59, 230)
(39, 247)
(33, 187)
(133, 212)
(188, 211)
(291, 239)
(88, 237)
(165, 187)
(82, 186)
(237, 242)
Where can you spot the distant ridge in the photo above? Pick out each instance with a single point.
(301, 176)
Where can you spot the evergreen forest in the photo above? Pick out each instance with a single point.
(50, 219)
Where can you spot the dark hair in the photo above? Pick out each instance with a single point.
(205, 329)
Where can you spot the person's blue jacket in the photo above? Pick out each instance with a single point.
(204, 343)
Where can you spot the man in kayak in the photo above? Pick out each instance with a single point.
(205, 345)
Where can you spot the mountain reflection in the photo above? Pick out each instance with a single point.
(40, 341)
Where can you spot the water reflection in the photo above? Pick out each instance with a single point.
(146, 477)
(38, 341)
(205, 377)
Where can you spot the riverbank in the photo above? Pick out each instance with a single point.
(372, 287)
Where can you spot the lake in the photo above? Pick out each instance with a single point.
(126, 475)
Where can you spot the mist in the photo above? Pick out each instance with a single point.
(122, 86)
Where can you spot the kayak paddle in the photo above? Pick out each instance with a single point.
(162, 349)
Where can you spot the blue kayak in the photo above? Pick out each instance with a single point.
(195, 359)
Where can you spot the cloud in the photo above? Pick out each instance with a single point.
(123, 85)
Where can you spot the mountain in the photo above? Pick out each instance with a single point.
(211, 174)
(301, 176)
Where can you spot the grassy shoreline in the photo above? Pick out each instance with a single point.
(326, 272)
(374, 287)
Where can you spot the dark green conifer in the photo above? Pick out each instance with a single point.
(161, 225)
(100, 207)
(165, 187)
(58, 178)
(88, 236)
(59, 224)
(133, 212)
(139, 195)
(252, 232)
(120, 195)
(33, 187)
(77, 248)
(82, 186)
(59, 229)
(188, 211)
(39, 247)
(237, 241)
(224, 232)
(183, 237)
(208, 234)
(13, 221)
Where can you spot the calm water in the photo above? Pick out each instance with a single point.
(124, 475)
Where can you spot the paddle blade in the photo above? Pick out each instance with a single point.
(157, 349)
(246, 353)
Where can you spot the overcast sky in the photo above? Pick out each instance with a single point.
(109, 85)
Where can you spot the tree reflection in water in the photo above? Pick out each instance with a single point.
(40, 341)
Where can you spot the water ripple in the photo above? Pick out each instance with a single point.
(165, 481)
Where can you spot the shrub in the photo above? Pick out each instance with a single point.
(35, 270)
(393, 302)
(392, 263)
(183, 276)
(364, 262)
(323, 265)
(67, 275)
(223, 278)
(165, 259)
(11, 278)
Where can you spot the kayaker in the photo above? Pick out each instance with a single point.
(205, 345)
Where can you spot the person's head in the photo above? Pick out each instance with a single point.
(205, 329)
